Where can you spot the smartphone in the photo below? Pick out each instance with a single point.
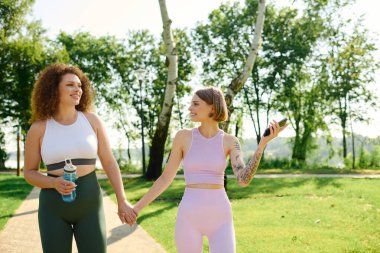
(281, 123)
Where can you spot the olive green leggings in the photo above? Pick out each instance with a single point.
(83, 218)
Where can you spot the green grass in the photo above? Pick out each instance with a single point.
(318, 171)
(280, 215)
(13, 190)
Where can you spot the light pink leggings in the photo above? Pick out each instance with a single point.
(205, 212)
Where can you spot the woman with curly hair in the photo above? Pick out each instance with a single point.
(63, 126)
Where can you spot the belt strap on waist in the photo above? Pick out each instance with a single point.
(79, 161)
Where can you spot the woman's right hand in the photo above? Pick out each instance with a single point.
(64, 187)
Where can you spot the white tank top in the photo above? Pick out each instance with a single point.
(77, 140)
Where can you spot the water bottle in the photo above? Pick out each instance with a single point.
(69, 174)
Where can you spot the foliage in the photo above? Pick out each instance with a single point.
(364, 158)
(350, 71)
(375, 157)
(3, 153)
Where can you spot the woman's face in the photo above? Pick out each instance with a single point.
(70, 90)
(199, 110)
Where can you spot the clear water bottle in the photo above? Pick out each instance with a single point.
(69, 174)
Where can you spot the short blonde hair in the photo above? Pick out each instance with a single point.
(214, 96)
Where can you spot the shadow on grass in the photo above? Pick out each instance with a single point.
(19, 214)
(274, 186)
(173, 193)
(168, 206)
(258, 187)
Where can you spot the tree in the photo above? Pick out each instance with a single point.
(221, 45)
(12, 16)
(157, 148)
(279, 75)
(23, 53)
(351, 69)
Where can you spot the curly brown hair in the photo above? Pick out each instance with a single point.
(45, 95)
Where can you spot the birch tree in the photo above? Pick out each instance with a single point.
(158, 144)
(224, 43)
(238, 82)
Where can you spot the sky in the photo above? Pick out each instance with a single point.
(117, 17)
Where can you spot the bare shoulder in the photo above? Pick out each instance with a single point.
(183, 133)
(183, 136)
(230, 140)
(92, 117)
(94, 120)
(182, 140)
(37, 129)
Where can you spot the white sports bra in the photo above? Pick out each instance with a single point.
(74, 141)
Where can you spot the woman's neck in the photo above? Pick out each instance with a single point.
(66, 115)
(208, 130)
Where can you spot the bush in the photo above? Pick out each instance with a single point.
(276, 163)
(348, 161)
(375, 157)
(129, 168)
(364, 158)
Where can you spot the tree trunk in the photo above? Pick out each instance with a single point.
(251, 115)
(129, 149)
(299, 150)
(128, 138)
(3, 153)
(343, 123)
(344, 139)
(158, 143)
(179, 114)
(2, 161)
(353, 143)
(297, 146)
(237, 84)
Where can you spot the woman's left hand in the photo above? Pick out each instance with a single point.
(126, 213)
(275, 129)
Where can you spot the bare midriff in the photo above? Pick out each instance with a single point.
(82, 170)
(205, 186)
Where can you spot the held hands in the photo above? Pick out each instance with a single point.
(275, 129)
(126, 213)
(64, 187)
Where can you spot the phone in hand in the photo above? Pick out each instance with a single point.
(281, 123)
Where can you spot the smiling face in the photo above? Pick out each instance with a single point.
(200, 110)
(70, 89)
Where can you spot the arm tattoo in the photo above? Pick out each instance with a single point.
(245, 174)
(250, 169)
(237, 145)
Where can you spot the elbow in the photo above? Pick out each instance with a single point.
(243, 184)
(27, 176)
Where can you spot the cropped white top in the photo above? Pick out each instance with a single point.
(77, 140)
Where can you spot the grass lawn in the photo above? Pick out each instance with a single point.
(13, 190)
(280, 215)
